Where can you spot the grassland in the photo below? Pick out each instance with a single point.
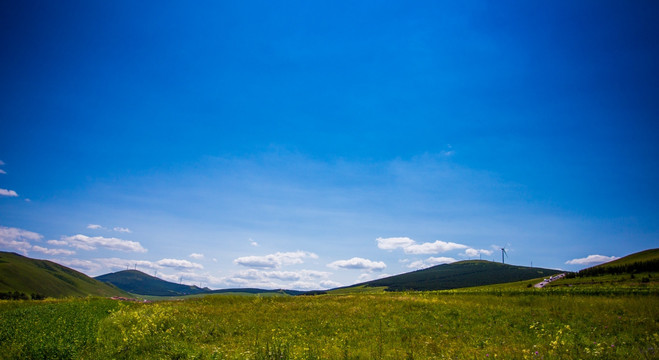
(512, 324)
(46, 278)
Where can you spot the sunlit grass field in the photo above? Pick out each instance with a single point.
(420, 325)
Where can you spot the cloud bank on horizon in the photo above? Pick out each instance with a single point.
(259, 273)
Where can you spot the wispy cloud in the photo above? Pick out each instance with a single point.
(52, 251)
(2, 171)
(123, 264)
(122, 229)
(477, 252)
(94, 226)
(86, 266)
(431, 261)
(302, 279)
(17, 239)
(253, 243)
(179, 264)
(394, 243)
(410, 246)
(275, 260)
(84, 242)
(10, 193)
(196, 256)
(358, 263)
(591, 260)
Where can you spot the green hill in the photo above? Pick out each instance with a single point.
(46, 278)
(638, 269)
(458, 275)
(137, 282)
(643, 261)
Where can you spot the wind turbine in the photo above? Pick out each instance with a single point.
(503, 252)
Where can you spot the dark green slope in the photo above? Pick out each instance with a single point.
(139, 283)
(646, 261)
(459, 275)
(646, 256)
(31, 276)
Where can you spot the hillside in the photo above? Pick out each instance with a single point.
(137, 282)
(46, 278)
(459, 275)
(642, 261)
(640, 269)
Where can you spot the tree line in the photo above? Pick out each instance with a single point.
(15, 295)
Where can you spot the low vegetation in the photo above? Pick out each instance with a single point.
(609, 316)
(530, 324)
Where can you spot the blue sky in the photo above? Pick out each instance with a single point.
(314, 144)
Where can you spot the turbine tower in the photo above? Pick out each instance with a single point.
(503, 252)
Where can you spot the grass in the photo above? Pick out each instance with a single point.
(29, 276)
(555, 324)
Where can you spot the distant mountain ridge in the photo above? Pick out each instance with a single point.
(29, 276)
(459, 274)
(139, 283)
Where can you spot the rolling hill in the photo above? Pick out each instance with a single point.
(639, 269)
(456, 275)
(46, 278)
(643, 261)
(137, 282)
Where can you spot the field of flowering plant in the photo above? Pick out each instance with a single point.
(416, 325)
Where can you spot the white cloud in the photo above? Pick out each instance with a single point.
(302, 279)
(17, 239)
(329, 284)
(16, 233)
(2, 171)
(84, 242)
(591, 260)
(94, 226)
(122, 229)
(58, 242)
(410, 246)
(178, 263)
(52, 251)
(433, 248)
(394, 243)
(192, 278)
(358, 263)
(275, 260)
(474, 252)
(196, 256)
(123, 264)
(5, 192)
(86, 266)
(431, 261)
(253, 243)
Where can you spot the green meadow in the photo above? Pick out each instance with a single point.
(486, 324)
